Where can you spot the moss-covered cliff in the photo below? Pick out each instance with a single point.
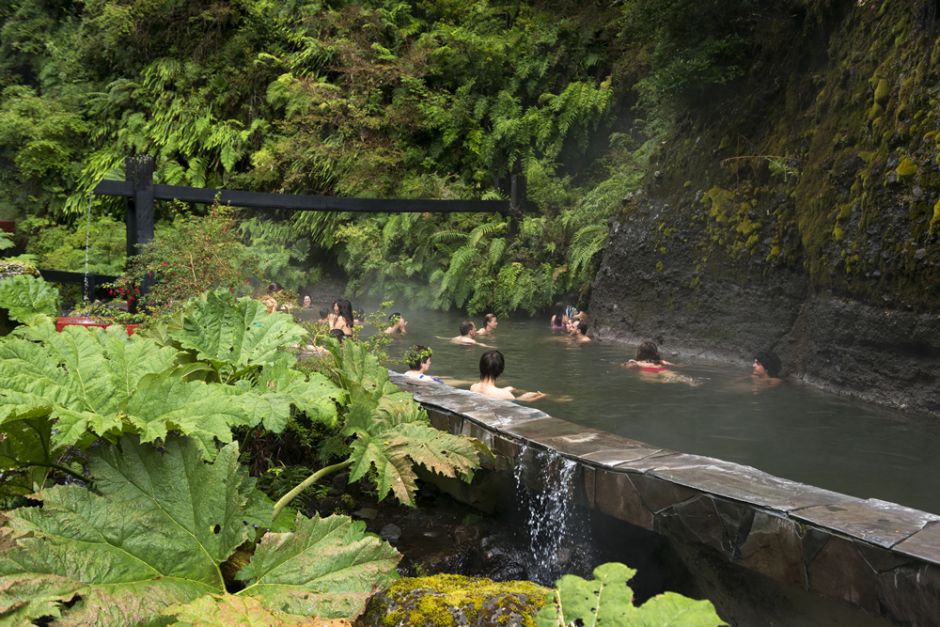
(799, 207)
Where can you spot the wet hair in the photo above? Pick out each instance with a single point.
(345, 310)
(770, 362)
(488, 318)
(582, 328)
(273, 287)
(648, 351)
(394, 317)
(491, 364)
(558, 311)
(417, 355)
(466, 326)
(337, 334)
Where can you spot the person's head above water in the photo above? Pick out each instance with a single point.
(648, 351)
(343, 307)
(337, 334)
(467, 328)
(490, 321)
(583, 328)
(417, 356)
(766, 364)
(491, 365)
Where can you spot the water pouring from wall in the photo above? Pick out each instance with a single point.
(558, 535)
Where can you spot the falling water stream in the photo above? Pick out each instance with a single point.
(544, 483)
(86, 286)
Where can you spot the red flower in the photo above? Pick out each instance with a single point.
(137, 290)
(110, 292)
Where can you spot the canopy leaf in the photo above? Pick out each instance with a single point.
(608, 600)
(153, 540)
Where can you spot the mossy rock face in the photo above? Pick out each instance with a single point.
(451, 600)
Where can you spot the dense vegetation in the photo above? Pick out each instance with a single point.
(376, 98)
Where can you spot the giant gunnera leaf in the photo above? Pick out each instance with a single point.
(607, 600)
(150, 546)
(235, 334)
(98, 382)
(29, 299)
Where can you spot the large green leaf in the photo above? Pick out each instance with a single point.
(328, 567)
(155, 535)
(235, 333)
(29, 299)
(151, 544)
(278, 387)
(395, 434)
(608, 600)
(94, 382)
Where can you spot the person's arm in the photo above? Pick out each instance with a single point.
(530, 396)
(630, 363)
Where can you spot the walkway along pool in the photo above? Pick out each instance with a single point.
(792, 431)
(877, 556)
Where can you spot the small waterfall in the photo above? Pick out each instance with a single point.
(545, 490)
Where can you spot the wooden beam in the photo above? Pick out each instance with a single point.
(297, 202)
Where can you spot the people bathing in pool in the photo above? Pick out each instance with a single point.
(580, 333)
(765, 371)
(489, 324)
(648, 359)
(341, 316)
(418, 359)
(468, 332)
(492, 364)
(560, 318)
(396, 324)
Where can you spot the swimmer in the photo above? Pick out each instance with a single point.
(418, 359)
(397, 324)
(489, 324)
(559, 317)
(306, 302)
(491, 366)
(342, 316)
(765, 371)
(468, 331)
(580, 335)
(654, 368)
(648, 359)
(270, 303)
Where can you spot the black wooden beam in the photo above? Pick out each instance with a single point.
(297, 202)
(60, 276)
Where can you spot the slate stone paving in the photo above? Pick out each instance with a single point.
(881, 557)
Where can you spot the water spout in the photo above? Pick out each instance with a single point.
(545, 491)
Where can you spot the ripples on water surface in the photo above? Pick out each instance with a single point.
(792, 431)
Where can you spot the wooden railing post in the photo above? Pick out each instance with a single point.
(138, 171)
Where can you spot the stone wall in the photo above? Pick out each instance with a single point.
(877, 556)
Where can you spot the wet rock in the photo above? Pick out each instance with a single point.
(390, 533)
(920, 253)
(366, 513)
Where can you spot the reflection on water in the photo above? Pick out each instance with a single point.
(792, 431)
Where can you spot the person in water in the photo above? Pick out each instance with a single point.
(306, 304)
(418, 359)
(396, 324)
(489, 324)
(342, 316)
(648, 359)
(467, 331)
(580, 335)
(765, 370)
(491, 366)
(269, 302)
(559, 317)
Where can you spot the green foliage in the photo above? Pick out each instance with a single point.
(63, 246)
(155, 538)
(691, 44)
(197, 255)
(608, 600)
(28, 299)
